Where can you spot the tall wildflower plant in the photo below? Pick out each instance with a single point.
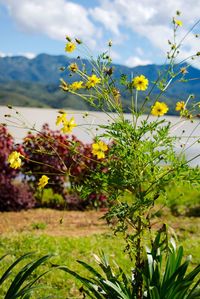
(141, 159)
(135, 156)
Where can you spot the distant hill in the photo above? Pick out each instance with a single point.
(35, 82)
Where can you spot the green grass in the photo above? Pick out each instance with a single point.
(38, 225)
(68, 249)
(181, 199)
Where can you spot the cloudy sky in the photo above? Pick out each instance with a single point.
(139, 29)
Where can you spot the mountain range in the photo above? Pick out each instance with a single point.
(35, 82)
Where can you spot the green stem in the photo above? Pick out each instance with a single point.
(136, 100)
(138, 262)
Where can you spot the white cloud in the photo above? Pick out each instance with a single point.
(28, 55)
(139, 51)
(151, 19)
(2, 54)
(116, 18)
(114, 55)
(135, 61)
(110, 19)
(53, 18)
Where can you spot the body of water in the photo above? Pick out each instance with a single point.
(23, 119)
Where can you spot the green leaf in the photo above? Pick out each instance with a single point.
(116, 287)
(154, 293)
(90, 269)
(194, 291)
(86, 282)
(9, 270)
(23, 275)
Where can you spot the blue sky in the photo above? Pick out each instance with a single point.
(139, 29)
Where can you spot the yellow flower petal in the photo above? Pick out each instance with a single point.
(100, 155)
(76, 85)
(68, 125)
(95, 146)
(178, 22)
(140, 82)
(61, 118)
(15, 160)
(103, 146)
(70, 47)
(99, 148)
(180, 106)
(159, 109)
(92, 81)
(43, 181)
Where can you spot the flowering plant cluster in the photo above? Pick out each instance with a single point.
(142, 159)
(136, 156)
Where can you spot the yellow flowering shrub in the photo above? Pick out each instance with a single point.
(135, 155)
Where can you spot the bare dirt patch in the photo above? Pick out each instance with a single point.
(75, 223)
(53, 222)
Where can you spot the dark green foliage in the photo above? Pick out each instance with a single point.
(106, 283)
(165, 276)
(23, 283)
(30, 94)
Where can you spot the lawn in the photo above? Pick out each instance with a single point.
(78, 236)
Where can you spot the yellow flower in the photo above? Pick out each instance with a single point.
(61, 118)
(15, 160)
(73, 67)
(68, 125)
(178, 22)
(43, 181)
(99, 148)
(180, 106)
(140, 82)
(70, 47)
(76, 85)
(159, 109)
(92, 81)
